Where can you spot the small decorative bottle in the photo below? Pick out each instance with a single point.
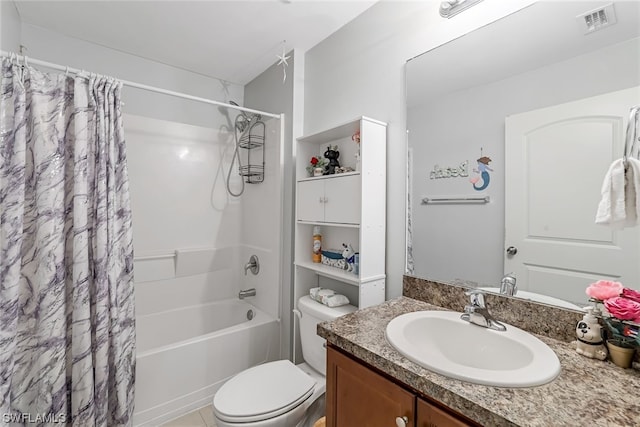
(317, 244)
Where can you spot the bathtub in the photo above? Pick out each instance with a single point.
(185, 355)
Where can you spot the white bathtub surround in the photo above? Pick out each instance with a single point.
(169, 281)
(187, 226)
(267, 293)
(66, 255)
(185, 355)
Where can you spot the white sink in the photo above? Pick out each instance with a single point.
(442, 342)
(539, 298)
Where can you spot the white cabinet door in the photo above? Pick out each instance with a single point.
(342, 199)
(335, 199)
(310, 201)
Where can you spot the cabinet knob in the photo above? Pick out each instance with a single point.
(402, 421)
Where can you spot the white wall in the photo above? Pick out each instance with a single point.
(55, 47)
(359, 70)
(10, 27)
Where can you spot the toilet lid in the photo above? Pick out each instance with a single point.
(262, 392)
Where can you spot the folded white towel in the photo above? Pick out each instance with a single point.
(620, 203)
(318, 294)
(335, 300)
(328, 297)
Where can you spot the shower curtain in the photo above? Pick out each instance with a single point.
(67, 337)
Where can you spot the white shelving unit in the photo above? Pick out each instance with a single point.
(349, 207)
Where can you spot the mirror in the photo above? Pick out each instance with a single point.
(480, 205)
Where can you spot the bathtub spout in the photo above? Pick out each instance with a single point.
(247, 293)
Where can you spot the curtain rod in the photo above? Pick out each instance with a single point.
(59, 67)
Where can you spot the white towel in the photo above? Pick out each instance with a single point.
(632, 190)
(620, 203)
(328, 297)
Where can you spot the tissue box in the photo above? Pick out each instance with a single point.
(333, 258)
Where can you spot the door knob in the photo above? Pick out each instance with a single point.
(402, 421)
(512, 250)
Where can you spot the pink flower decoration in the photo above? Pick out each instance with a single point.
(623, 309)
(631, 294)
(604, 289)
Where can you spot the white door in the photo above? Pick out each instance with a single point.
(556, 160)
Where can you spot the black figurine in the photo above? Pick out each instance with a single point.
(332, 155)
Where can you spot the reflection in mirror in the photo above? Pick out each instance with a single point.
(515, 125)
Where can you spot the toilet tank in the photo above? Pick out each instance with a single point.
(312, 313)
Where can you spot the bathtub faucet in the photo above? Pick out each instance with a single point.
(253, 265)
(247, 293)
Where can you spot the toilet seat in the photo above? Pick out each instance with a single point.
(263, 392)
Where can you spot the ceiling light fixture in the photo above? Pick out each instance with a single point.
(450, 8)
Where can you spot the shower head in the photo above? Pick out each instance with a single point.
(244, 120)
(245, 115)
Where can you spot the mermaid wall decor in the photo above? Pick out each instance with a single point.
(482, 173)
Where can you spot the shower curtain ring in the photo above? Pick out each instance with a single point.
(26, 61)
(66, 71)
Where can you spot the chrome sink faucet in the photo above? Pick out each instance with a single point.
(508, 285)
(478, 313)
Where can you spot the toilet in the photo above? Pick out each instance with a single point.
(279, 394)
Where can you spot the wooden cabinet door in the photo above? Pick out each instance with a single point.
(429, 415)
(359, 397)
(342, 195)
(310, 201)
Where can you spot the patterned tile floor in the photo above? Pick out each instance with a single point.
(202, 417)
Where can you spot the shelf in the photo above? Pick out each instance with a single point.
(349, 207)
(344, 130)
(329, 224)
(335, 175)
(330, 272)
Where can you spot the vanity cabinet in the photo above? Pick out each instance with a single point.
(358, 396)
(429, 415)
(349, 208)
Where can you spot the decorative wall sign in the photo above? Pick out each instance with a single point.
(483, 173)
(451, 172)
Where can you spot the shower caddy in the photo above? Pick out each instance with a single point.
(253, 142)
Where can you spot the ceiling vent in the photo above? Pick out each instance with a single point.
(597, 19)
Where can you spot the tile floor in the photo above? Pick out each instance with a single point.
(202, 417)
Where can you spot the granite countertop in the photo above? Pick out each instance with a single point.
(586, 393)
